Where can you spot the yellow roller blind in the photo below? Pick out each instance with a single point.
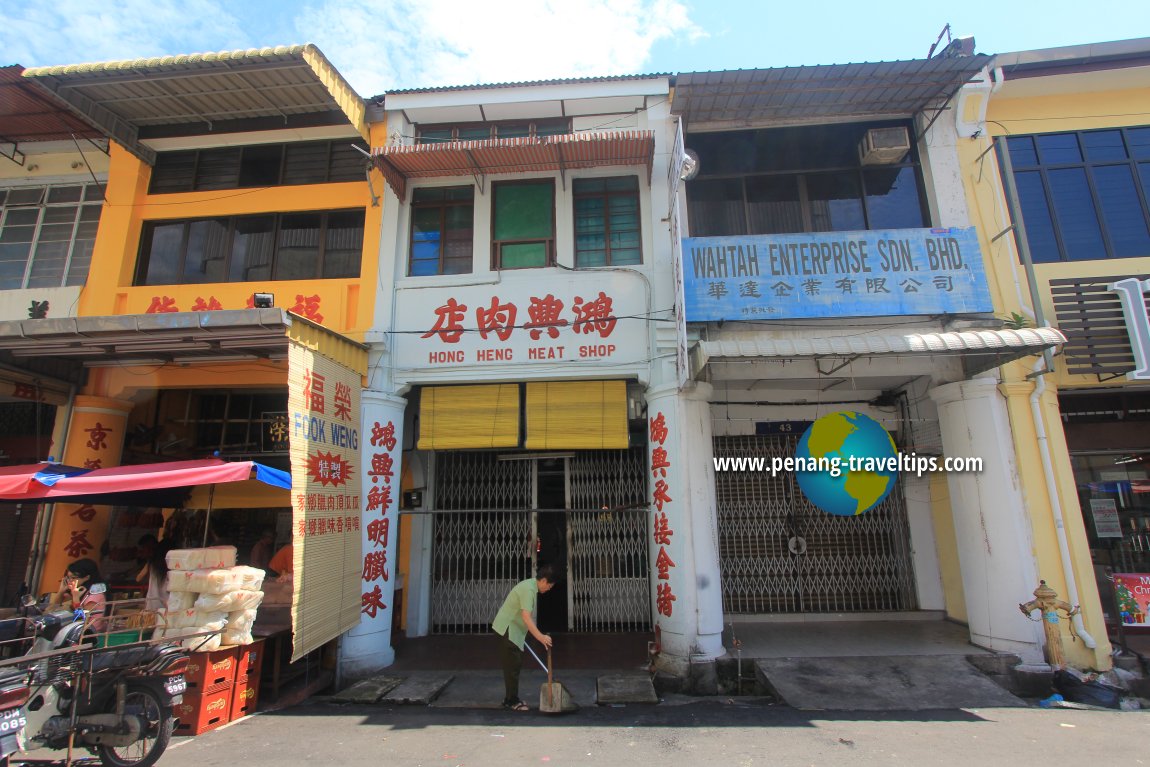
(454, 417)
(580, 415)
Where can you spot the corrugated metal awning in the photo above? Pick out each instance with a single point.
(835, 91)
(29, 113)
(564, 152)
(121, 97)
(981, 349)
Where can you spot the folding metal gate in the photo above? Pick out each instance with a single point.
(485, 534)
(780, 554)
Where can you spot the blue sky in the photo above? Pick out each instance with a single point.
(384, 45)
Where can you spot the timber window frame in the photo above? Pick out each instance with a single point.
(443, 220)
(441, 133)
(48, 233)
(522, 224)
(607, 217)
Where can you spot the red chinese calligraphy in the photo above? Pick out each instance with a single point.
(328, 469)
(593, 316)
(307, 306)
(663, 564)
(663, 599)
(381, 466)
(499, 318)
(343, 401)
(26, 391)
(375, 566)
(379, 498)
(383, 435)
(98, 439)
(659, 462)
(93, 463)
(377, 531)
(661, 496)
(544, 313)
(79, 545)
(211, 305)
(161, 305)
(372, 602)
(449, 322)
(85, 513)
(313, 395)
(663, 531)
(659, 430)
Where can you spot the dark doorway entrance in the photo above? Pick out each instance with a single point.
(551, 524)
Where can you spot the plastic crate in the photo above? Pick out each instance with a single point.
(249, 659)
(200, 713)
(117, 638)
(245, 696)
(210, 672)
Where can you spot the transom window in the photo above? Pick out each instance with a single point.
(240, 167)
(790, 180)
(607, 221)
(441, 230)
(47, 234)
(283, 246)
(523, 224)
(1084, 195)
(437, 134)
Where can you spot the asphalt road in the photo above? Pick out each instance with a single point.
(713, 733)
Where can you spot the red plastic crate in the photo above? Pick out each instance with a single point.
(245, 696)
(210, 672)
(249, 659)
(201, 713)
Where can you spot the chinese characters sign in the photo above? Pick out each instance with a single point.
(323, 429)
(662, 500)
(835, 274)
(382, 499)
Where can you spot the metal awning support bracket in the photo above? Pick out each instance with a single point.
(476, 171)
(845, 361)
(14, 154)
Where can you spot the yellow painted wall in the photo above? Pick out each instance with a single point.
(946, 546)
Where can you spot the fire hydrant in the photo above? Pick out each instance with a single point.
(1046, 599)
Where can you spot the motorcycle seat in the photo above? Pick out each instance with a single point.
(124, 657)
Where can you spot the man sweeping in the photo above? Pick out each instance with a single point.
(512, 623)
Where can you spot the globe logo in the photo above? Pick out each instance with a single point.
(828, 445)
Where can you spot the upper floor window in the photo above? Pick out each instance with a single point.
(441, 230)
(523, 224)
(312, 162)
(437, 134)
(607, 221)
(1084, 195)
(47, 234)
(791, 180)
(283, 246)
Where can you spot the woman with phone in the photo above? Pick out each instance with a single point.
(83, 588)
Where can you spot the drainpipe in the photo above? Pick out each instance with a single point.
(1055, 502)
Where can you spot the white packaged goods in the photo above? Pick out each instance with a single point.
(181, 600)
(231, 637)
(251, 578)
(203, 643)
(241, 620)
(211, 558)
(219, 557)
(204, 581)
(230, 602)
(185, 559)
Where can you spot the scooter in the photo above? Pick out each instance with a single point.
(117, 702)
(14, 693)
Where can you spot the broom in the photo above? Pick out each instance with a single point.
(553, 696)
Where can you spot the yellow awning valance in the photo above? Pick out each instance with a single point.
(457, 417)
(577, 415)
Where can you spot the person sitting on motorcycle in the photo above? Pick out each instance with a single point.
(82, 587)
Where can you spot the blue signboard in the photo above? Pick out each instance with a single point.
(834, 274)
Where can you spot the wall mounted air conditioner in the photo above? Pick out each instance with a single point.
(884, 146)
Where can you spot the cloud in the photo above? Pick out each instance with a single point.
(382, 45)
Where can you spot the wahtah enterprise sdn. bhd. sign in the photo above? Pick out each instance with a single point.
(834, 274)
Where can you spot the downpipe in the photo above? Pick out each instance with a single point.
(1055, 501)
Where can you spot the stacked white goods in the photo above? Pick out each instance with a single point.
(209, 596)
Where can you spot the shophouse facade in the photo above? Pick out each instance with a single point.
(832, 263)
(231, 281)
(1070, 170)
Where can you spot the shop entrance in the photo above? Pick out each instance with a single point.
(498, 516)
(780, 554)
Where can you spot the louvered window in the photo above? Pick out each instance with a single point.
(258, 165)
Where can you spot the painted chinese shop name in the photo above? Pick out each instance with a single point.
(379, 500)
(664, 595)
(545, 319)
(304, 306)
(326, 468)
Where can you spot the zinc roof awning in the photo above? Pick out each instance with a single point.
(825, 92)
(123, 97)
(980, 350)
(29, 113)
(591, 149)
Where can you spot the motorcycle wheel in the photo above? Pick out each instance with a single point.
(158, 724)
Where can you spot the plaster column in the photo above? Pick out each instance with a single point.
(95, 441)
(685, 586)
(367, 648)
(995, 546)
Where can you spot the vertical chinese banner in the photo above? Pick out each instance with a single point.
(95, 441)
(666, 518)
(324, 424)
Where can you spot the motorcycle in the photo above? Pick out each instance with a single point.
(117, 702)
(13, 695)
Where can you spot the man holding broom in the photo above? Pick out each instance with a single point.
(512, 623)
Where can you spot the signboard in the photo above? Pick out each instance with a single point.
(324, 433)
(876, 273)
(1131, 295)
(1132, 595)
(523, 324)
(1106, 522)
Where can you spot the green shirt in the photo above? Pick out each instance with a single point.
(509, 620)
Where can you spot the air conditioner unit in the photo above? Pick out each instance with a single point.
(883, 146)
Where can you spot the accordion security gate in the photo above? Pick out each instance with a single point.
(485, 534)
(780, 554)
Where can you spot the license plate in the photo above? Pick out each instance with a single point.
(175, 685)
(12, 720)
